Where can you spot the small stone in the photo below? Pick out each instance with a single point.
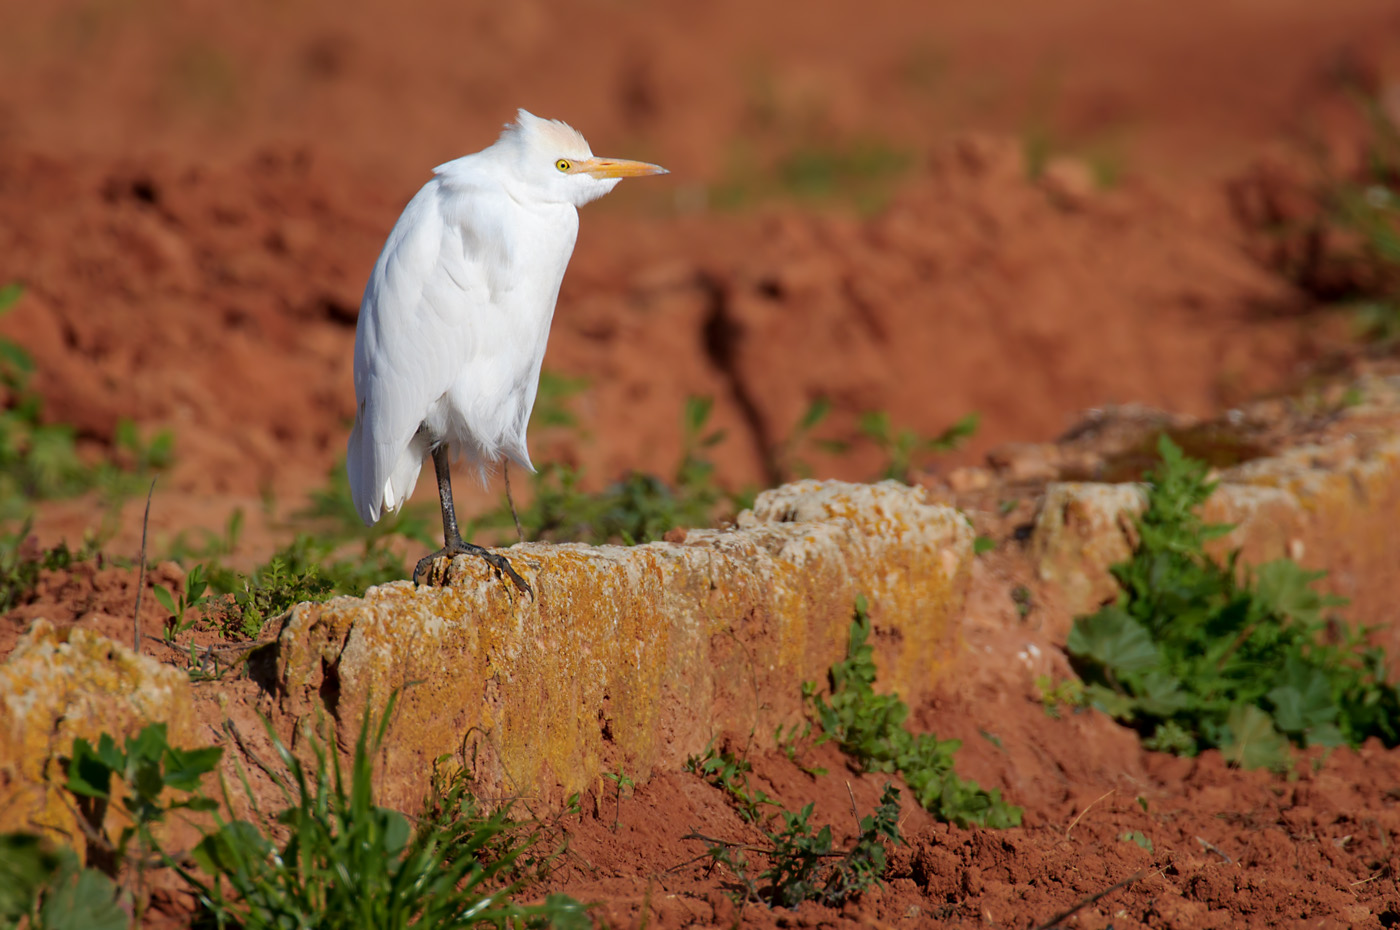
(965, 479)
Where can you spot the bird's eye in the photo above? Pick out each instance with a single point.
(563, 164)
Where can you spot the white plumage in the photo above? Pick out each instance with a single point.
(456, 315)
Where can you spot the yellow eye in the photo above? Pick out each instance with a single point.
(563, 164)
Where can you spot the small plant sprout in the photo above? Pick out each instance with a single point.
(191, 598)
(1069, 693)
(903, 448)
(731, 775)
(623, 782)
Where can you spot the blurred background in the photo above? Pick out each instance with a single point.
(897, 236)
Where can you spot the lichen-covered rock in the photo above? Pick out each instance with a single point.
(1346, 495)
(58, 685)
(1333, 506)
(1080, 531)
(632, 658)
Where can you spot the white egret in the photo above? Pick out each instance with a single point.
(456, 315)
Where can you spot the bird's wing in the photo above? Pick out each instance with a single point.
(420, 320)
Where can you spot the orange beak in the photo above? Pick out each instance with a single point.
(618, 168)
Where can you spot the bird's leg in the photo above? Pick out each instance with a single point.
(519, 530)
(453, 544)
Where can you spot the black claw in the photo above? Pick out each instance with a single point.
(500, 563)
(455, 544)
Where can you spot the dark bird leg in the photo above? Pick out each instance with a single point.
(519, 530)
(453, 543)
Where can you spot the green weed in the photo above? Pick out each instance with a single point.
(21, 561)
(1069, 693)
(870, 727)
(623, 782)
(637, 509)
(44, 886)
(903, 447)
(860, 172)
(789, 743)
(1197, 653)
(212, 545)
(642, 507)
(149, 768)
(271, 590)
(801, 871)
(803, 863)
(1365, 208)
(731, 775)
(192, 596)
(1137, 837)
(787, 459)
(333, 859)
(313, 567)
(339, 860)
(1346, 250)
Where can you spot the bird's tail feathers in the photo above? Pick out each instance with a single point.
(374, 493)
(403, 477)
(358, 468)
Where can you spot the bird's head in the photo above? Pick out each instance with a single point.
(554, 161)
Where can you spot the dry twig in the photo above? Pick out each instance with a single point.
(1086, 810)
(141, 575)
(1085, 902)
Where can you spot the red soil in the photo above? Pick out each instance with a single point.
(193, 195)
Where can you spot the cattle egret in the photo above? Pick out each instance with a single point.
(456, 315)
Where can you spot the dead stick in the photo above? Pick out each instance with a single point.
(1092, 898)
(854, 813)
(1086, 810)
(141, 576)
(232, 729)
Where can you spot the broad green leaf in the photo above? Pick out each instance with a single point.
(1286, 588)
(1138, 837)
(953, 436)
(88, 774)
(1118, 706)
(185, 767)
(85, 901)
(149, 745)
(15, 357)
(167, 600)
(145, 779)
(565, 913)
(232, 849)
(1171, 737)
(875, 424)
(26, 865)
(396, 832)
(697, 412)
(816, 412)
(1114, 641)
(1252, 741)
(1161, 694)
(10, 295)
(1303, 700)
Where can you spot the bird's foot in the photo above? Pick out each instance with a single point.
(456, 547)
